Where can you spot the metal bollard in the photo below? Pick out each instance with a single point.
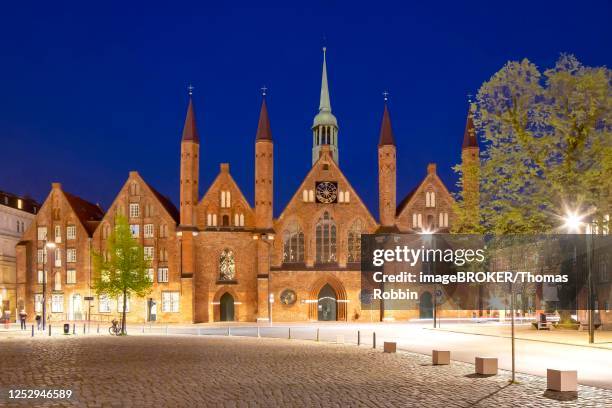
(84, 329)
(73, 328)
(317, 334)
(98, 331)
(374, 340)
(32, 330)
(229, 332)
(49, 329)
(358, 337)
(258, 336)
(289, 333)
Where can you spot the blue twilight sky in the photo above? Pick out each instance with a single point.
(92, 90)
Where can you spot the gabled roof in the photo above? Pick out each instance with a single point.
(165, 202)
(88, 213)
(386, 131)
(190, 131)
(411, 195)
(264, 132)
(224, 169)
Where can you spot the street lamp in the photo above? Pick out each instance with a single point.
(46, 245)
(573, 221)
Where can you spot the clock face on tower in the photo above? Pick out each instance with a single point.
(327, 192)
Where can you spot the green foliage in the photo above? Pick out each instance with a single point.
(547, 145)
(121, 270)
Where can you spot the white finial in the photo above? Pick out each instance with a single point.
(263, 90)
(386, 95)
(190, 89)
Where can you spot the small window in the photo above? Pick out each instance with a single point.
(162, 275)
(163, 231)
(148, 253)
(57, 285)
(42, 255)
(58, 233)
(341, 197)
(104, 304)
(71, 255)
(148, 230)
(42, 233)
(347, 196)
(311, 196)
(150, 274)
(135, 229)
(58, 257)
(19, 203)
(134, 210)
(305, 196)
(71, 276)
(57, 303)
(71, 232)
(41, 276)
(170, 302)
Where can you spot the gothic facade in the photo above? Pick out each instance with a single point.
(219, 258)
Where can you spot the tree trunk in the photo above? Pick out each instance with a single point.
(123, 313)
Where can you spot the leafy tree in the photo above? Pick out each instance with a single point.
(547, 145)
(121, 270)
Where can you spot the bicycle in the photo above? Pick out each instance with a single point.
(115, 329)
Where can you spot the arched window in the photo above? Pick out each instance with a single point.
(326, 239)
(293, 244)
(227, 265)
(354, 242)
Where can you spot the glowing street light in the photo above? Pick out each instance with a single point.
(573, 221)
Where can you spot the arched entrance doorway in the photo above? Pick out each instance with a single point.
(326, 308)
(226, 305)
(425, 306)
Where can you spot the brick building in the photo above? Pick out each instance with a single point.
(218, 258)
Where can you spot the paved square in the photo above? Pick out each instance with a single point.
(183, 371)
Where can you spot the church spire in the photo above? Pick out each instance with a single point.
(325, 125)
(264, 132)
(386, 131)
(324, 104)
(190, 131)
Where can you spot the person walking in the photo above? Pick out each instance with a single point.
(22, 317)
(38, 321)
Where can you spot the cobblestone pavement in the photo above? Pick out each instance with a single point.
(184, 371)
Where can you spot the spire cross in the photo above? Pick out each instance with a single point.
(386, 95)
(263, 90)
(190, 89)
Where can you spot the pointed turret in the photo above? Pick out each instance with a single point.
(386, 172)
(469, 135)
(190, 130)
(386, 131)
(325, 124)
(470, 174)
(264, 170)
(190, 172)
(263, 127)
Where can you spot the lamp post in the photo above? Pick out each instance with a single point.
(46, 245)
(573, 223)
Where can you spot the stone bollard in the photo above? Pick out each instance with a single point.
(32, 330)
(486, 365)
(49, 329)
(374, 340)
(317, 334)
(389, 347)
(358, 338)
(289, 335)
(562, 380)
(440, 357)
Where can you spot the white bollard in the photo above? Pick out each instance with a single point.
(440, 357)
(562, 380)
(486, 365)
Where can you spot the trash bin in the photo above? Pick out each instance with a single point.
(66, 328)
